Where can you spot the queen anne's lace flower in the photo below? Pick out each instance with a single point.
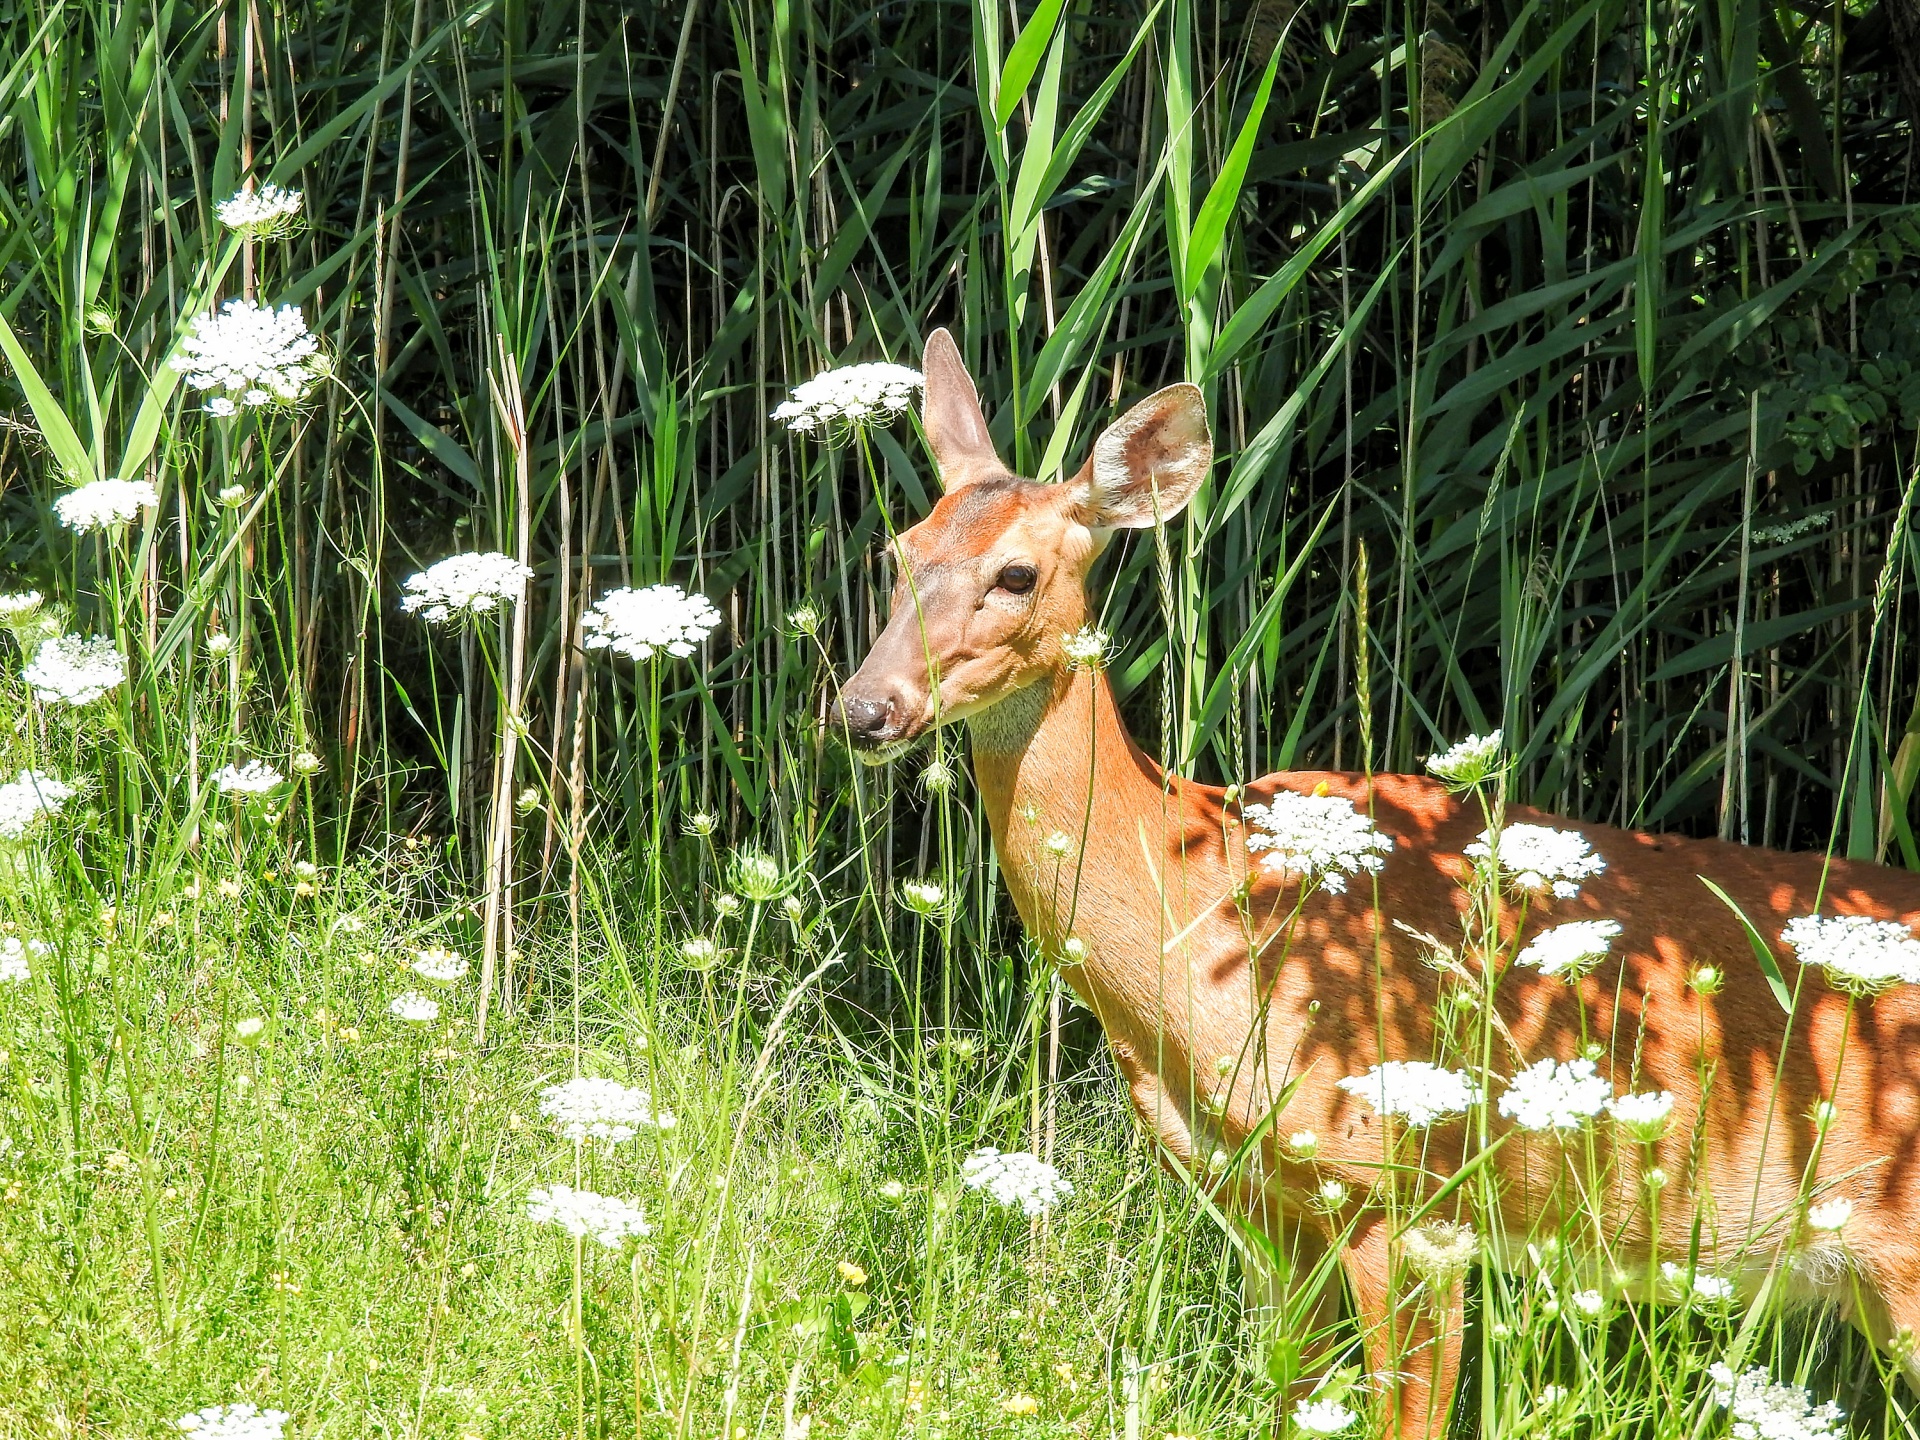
(642, 623)
(1642, 1116)
(1439, 1252)
(27, 797)
(1830, 1216)
(414, 1008)
(14, 970)
(1700, 1284)
(1088, 648)
(923, 897)
(234, 1422)
(1570, 949)
(71, 671)
(25, 603)
(1316, 837)
(1538, 857)
(253, 780)
(1413, 1090)
(441, 965)
(1469, 761)
(1764, 1410)
(249, 354)
(850, 396)
(463, 585)
(270, 210)
(1015, 1178)
(585, 1215)
(1550, 1095)
(1322, 1417)
(1858, 953)
(587, 1109)
(103, 504)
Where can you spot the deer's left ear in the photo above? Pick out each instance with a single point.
(1147, 465)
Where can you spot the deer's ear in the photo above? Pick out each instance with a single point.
(1147, 465)
(950, 414)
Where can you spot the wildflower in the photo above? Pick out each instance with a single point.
(234, 1422)
(582, 1214)
(1569, 950)
(1414, 1090)
(305, 762)
(804, 620)
(1311, 837)
(1439, 1252)
(757, 876)
(1588, 1303)
(1706, 980)
(586, 1109)
(232, 496)
(414, 1008)
(1830, 1217)
(12, 607)
(848, 397)
(1331, 1195)
(249, 1029)
(436, 964)
(1020, 1405)
(642, 623)
(893, 1190)
(726, 905)
(1655, 1179)
(851, 1273)
(1538, 857)
(1642, 1116)
(527, 801)
(14, 969)
(251, 781)
(305, 870)
(1764, 1410)
(1550, 1095)
(1322, 1417)
(1469, 761)
(1858, 953)
(923, 897)
(1074, 951)
(1702, 1285)
(700, 952)
(1057, 845)
(795, 909)
(270, 210)
(251, 354)
(26, 798)
(701, 822)
(939, 776)
(74, 671)
(219, 646)
(1015, 1178)
(103, 504)
(1087, 648)
(1304, 1144)
(465, 585)
(1824, 1113)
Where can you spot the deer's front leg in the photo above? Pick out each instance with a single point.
(1412, 1343)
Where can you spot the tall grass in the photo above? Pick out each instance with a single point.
(1571, 344)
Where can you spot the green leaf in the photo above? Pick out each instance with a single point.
(1762, 952)
(1210, 225)
(1024, 59)
(60, 435)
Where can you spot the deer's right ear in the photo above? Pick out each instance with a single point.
(1147, 465)
(950, 414)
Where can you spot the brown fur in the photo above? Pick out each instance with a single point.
(1170, 969)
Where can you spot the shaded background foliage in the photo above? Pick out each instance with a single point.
(1561, 356)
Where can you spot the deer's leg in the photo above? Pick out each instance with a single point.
(1413, 1344)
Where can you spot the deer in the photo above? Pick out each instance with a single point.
(1166, 933)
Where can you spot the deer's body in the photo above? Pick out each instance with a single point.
(1189, 980)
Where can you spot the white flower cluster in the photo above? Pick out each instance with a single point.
(1538, 857)
(1570, 949)
(251, 355)
(923, 897)
(583, 1214)
(14, 970)
(1316, 837)
(642, 623)
(1015, 1178)
(1551, 1095)
(1468, 761)
(1642, 1116)
(234, 1422)
(69, 670)
(1764, 1410)
(586, 1109)
(1414, 1090)
(253, 780)
(414, 1008)
(1791, 530)
(851, 395)
(1703, 1286)
(1830, 1217)
(463, 585)
(1858, 953)
(24, 603)
(441, 965)
(103, 504)
(1088, 648)
(1322, 1417)
(270, 210)
(28, 796)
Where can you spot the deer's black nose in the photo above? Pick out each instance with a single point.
(865, 718)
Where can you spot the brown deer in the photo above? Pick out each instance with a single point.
(1166, 932)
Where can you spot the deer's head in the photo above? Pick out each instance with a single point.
(993, 581)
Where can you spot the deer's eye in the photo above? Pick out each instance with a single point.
(1018, 579)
